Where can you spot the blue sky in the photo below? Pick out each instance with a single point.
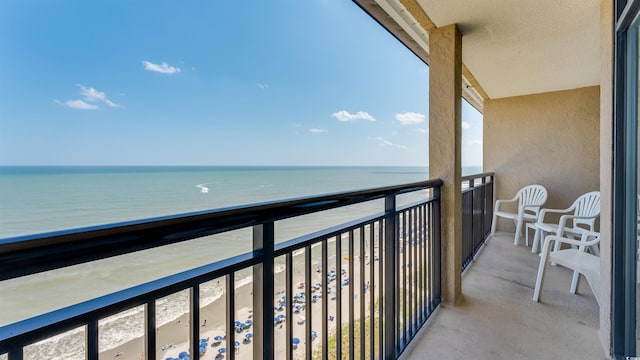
(282, 82)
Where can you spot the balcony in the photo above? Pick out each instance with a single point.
(496, 316)
(497, 319)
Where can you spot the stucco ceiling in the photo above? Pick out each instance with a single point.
(517, 47)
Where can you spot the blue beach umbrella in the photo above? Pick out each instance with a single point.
(202, 350)
(238, 323)
(248, 322)
(222, 350)
(295, 341)
(183, 354)
(249, 336)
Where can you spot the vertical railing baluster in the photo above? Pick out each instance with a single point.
(381, 288)
(263, 290)
(339, 296)
(230, 316)
(15, 354)
(430, 257)
(194, 343)
(414, 269)
(437, 250)
(352, 317)
(307, 299)
(289, 306)
(150, 325)
(405, 279)
(325, 300)
(421, 271)
(361, 294)
(371, 288)
(425, 260)
(91, 345)
(390, 271)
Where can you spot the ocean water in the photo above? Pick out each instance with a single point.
(42, 199)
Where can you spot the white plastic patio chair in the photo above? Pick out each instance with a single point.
(578, 260)
(530, 198)
(578, 218)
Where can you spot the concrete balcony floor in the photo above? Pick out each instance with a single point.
(497, 319)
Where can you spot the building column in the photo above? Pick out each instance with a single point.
(445, 122)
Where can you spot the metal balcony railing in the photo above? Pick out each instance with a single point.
(392, 259)
(477, 213)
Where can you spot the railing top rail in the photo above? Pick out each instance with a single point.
(476, 176)
(58, 249)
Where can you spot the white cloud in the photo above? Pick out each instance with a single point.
(465, 125)
(90, 97)
(78, 105)
(344, 115)
(263, 86)
(93, 95)
(475, 142)
(384, 142)
(163, 68)
(410, 118)
(318, 131)
(423, 130)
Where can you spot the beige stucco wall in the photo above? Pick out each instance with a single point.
(552, 139)
(445, 139)
(606, 167)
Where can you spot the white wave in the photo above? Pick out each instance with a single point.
(203, 188)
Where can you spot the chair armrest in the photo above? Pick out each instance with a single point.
(544, 212)
(498, 202)
(580, 243)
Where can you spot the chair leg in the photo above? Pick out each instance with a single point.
(540, 277)
(536, 241)
(516, 238)
(574, 282)
(494, 222)
(556, 247)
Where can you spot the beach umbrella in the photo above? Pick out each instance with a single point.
(238, 323)
(218, 338)
(295, 341)
(222, 350)
(183, 354)
(248, 322)
(236, 344)
(249, 336)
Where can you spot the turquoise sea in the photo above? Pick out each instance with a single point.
(42, 199)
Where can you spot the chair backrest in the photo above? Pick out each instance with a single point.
(532, 195)
(587, 205)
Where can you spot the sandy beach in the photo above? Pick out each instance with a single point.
(172, 338)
